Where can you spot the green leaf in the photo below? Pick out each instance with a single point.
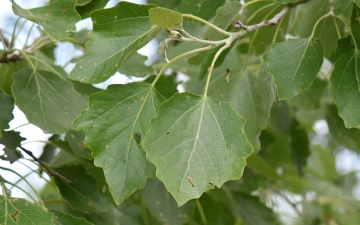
(6, 72)
(49, 150)
(47, 100)
(61, 218)
(166, 85)
(194, 147)
(355, 26)
(253, 211)
(11, 140)
(357, 2)
(6, 108)
(113, 40)
(167, 18)
(76, 142)
(202, 8)
(170, 4)
(344, 88)
(299, 146)
(343, 46)
(19, 211)
(341, 136)
(57, 17)
(85, 10)
(285, 1)
(163, 206)
(81, 194)
(82, 2)
(310, 98)
(340, 6)
(112, 122)
(258, 164)
(250, 94)
(135, 66)
(294, 65)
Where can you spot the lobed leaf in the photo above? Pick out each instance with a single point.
(47, 100)
(194, 146)
(294, 65)
(117, 34)
(19, 211)
(115, 123)
(57, 17)
(166, 18)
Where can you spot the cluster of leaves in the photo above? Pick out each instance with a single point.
(112, 141)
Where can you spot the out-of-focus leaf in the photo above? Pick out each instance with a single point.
(6, 72)
(49, 150)
(205, 9)
(321, 163)
(257, 164)
(163, 206)
(112, 217)
(48, 101)
(166, 85)
(81, 194)
(76, 142)
(294, 65)
(310, 98)
(285, 1)
(340, 6)
(82, 2)
(61, 218)
(114, 118)
(18, 211)
(167, 18)
(6, 108)
(184, 145)
(135, 66)
(355, 27)
(299, 146)
(343, 46)
(57, 17)
(113, 40)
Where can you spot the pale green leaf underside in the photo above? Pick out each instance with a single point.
(165, 18)
(19, 211)
(294, 64)
(115, 121)
(6, 108)
(196, 143)
(48, 101)
(117, 34)
(57, 17)
(344, 88)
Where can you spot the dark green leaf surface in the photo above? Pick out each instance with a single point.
(294, 65)
(135, 66)
(250, 94)
(285, 1)
(340, 6)
(11, 139)
(18, 211)
(202, 8)
(117, 34)
(163, 206)
(47, 100)
(6, 72)
(166, 85)
(61, 218)
(57, 17)
(194, 147)
(357, 2)
(299, 146)
(81, 194)
(49, 150)
(355, 26)
(6, 108)
(253, 211)
(76, 142)
(167, 18)
(115, 117)
(344, 89)
(85, 10)
(165, 4)
(310, 98)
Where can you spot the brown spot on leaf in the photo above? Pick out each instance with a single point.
(15, 215)
(64, 10)
(191, 182)
(129, 107)
(90, 203)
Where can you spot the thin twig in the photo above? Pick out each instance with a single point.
(293, 205)
(48, 168)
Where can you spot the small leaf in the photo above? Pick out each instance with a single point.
(6, 108)
(57, 17)
(344, 89)
(194, 147)
(48, 101)
(294, 65)
(81, 194)
(167, 18)
(19, 211)
(202, 8)
(163, 206)
(11, 140)
(135, 66)
(110, 122)
(113, 40)
(61, 218)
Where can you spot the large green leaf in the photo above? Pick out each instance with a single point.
(113, 40)
(81, 194)
(61, 218)
(294, 65)
(115, 123)
(163, 206)
(167, 18)
(47, 100)
(6, 108)
(250, 94)
(57, 17)
(202, 8)
(194, 146)
(6, 72)
(18, 211)
(344, 88)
